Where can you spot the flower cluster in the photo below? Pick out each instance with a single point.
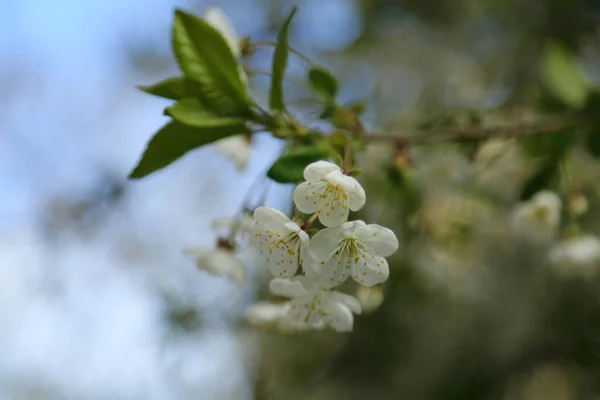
(538, 220)
(306, 269)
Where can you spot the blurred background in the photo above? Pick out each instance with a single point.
(97, 300)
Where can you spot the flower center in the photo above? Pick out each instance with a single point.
(333, 196)
(289, 242)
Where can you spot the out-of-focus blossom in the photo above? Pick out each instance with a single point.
(219, 262)
(538, 219)
(577, 256)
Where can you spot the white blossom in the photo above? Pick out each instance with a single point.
(236, 148)
(538, 219)
(578, 256)
(280, 240)
(314, 306)
(220, 262)
(356, 249)
(242, 226)
(265, 313)
(329, 192)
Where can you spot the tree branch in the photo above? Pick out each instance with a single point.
(475, 132)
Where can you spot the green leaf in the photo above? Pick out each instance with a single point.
(280, 59)
(170, 88)
(355, 172)
(323, 82)
(205, 57)
(563, 76)
(592, 141)
(190, 111)
(290, 166)
(174, 140)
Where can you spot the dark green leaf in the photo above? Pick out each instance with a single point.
(323, 82)
(290, 166)
(550, 144)
(204, 56)
(170, 88)
(190, 111)
(173, 140)
(541, 179)
(280, 59)
(592, 141)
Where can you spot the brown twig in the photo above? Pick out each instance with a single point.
(475, 132)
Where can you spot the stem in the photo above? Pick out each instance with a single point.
(347, 158)
(544, 126)
(292, 50)
(306, 225)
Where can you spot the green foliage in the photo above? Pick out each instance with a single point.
(174, 140)
(205, 57)
(323, 82)
(289, 168)
(280, 59)
(592, 141)
(355, 172)
(170, 88)
(190, 111)
(563, 76)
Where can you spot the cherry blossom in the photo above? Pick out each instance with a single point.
(329, 192)
(356, 249)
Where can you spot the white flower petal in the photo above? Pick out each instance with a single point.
(306, 309)
(357, 194)
(220, 22)
(338, 316)
(317, 170)
(371, 270)
(271, 218)
(349, 301)
(336, 270)
(333, 215)
(377, 237)
(236, 148)
(325, 242)
(264, 312)
(306, 196)
(283, 262)
(287, 288)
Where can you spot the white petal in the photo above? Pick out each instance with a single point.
(317, 170)
(357, 194)
(236, 148)
(271, 218)
(338, 316)
(370, 270)
(287, 288)
(281, 263)
(306, 309)
(336, 270)
(220, 22)
(377, 237)
(349, 301)
(221, 262)
(333, 213)
(306, 196)
(325, 242)
(264, 312)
